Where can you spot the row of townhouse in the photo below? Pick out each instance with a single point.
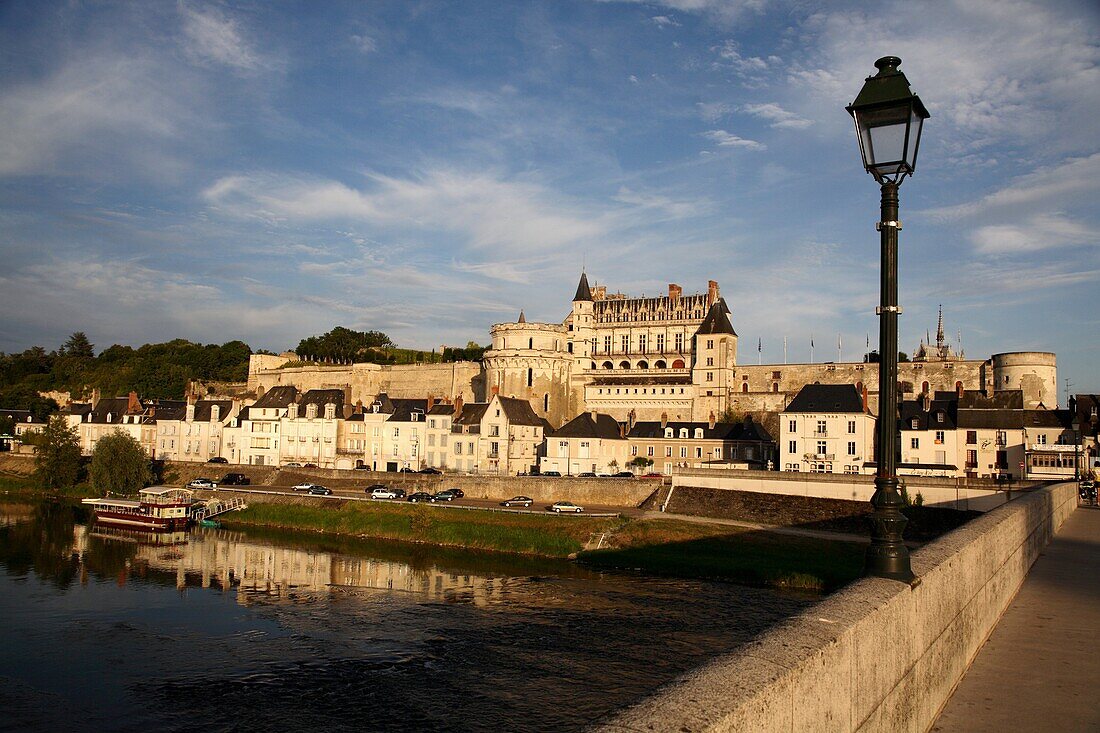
(597, 443)
(827, 428)
(22, 423)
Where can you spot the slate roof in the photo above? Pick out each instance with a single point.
(22, 416)
(583, 291)
(322, 397)
(827, 398)
(77, 408)
(999, 411)
(914, 409)
(717, 320)
(442, 408)
(277, 397)
(404, 409)
(752, 431)
(470, 417)
(519, 412)
(113, 406)
(203, 407)
(583, 426)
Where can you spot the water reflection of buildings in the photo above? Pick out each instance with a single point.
(227, 560)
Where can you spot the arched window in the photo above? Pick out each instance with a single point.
(624, 364)
(924, 388)
(530, 377)
(643, 365)
(678, 364)
(683, 432)
(958, 386)
(668, 433)
(608, 365)
(698, 433)
(744, 386)
(775, 387)
(660, 365)
(530, 343)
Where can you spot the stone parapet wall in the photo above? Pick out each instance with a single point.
(410, 381)
(878, 655)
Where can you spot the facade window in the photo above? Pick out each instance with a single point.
(624, 343)
(851, 447)
(683, 451)
(972, 459)
(679, 342)
(661, 343)
(649, 451)
(710, 361)
(1002, 437)
(851, 427)
(710, 376)
(698, 452)
(939, 417)
(710, 343)
(633, 450)
(971, 437)
(914, 424)
(792, 447)
(939, 437)
(821, 446)
(668, 451)
(641, 343)
(1041, 440)
(530, 377)
(431, 424)
(792, 425)
(914, 443)
(607, 344)
(821, 427)
(546, 402)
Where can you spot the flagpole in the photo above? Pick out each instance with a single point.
(839, 349)
(759, 352)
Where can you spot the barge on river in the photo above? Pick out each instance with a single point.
(157, 509)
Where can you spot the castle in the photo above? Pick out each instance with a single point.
(648, 358)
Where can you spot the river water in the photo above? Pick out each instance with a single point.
(106, 629)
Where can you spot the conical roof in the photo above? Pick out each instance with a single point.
(717, 320)
(583, 291)
(522, 318)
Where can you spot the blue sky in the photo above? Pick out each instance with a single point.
(258, 171)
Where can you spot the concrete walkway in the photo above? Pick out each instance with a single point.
(820, 534)
(1040, 668)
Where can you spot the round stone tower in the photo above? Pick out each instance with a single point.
(530, 361)
(1035, 373)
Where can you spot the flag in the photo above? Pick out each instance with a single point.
(759, 345)
(811, 342)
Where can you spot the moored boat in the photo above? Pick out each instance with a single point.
(158, 509)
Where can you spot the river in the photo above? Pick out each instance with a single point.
(118, 630)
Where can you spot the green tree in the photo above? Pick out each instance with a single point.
(119, 464)
(7, 425)
(342, 344)
(78, 345)
(640, 462)
(57, 462)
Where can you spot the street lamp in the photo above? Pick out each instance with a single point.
(888, 119)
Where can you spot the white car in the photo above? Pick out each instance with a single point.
(303, 486)
(566, 506)
(201, 483)
(383, 494)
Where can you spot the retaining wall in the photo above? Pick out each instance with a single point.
(878, 655)
(962, 493)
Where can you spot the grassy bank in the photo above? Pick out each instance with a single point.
(24, 487)
(751, 557)
(520, 533)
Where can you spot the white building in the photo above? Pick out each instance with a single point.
(589, 443)
(192, 432)
(826, 429)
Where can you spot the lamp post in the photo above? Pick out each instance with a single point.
(888, 119)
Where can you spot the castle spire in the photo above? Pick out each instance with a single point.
(522, 318)
(939, 330)
(583, 291)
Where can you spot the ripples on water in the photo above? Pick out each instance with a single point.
(224, 631)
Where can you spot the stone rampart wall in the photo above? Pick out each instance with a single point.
(412, 381)
(878, 655)
(963, 494)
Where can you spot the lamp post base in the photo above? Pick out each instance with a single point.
(888, 557)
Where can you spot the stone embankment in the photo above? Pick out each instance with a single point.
(878, 655)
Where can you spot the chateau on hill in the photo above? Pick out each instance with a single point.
(672, 357)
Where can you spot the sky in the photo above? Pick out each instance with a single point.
(266, 171)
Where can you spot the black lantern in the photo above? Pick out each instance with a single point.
(888, 119)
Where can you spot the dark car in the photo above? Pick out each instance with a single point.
(235, 479)
(310, 465)
(551, 473)
(420, 496)
(623, 474)
(406, 469)
(431, 471)
(446, 495)
(587, 474)
(518, 501)
(372, 487)
(398, 493)
(459, 493)
(218, 459)
(318, 490)
(362, 467)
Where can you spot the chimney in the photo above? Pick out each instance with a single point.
(631, 419)
(674, 292)
(622, 430)
(133, 404)
(712, 292)
(712, 420)
(959, 390)
(347, 394)
(458, 405)
(594, 415)
(431, 402)
(496, 390)
(664, 420)
(189, 397)
(926, 402)
(348, 410)
(189, 413)
(863, 394)
(95, 397)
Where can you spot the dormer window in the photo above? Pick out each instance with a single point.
(683, 432)
(698, 433)
(330, 411)
(939, 417)
(668, 432)
(914, 423)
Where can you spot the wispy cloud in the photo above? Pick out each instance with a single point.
(1040, 232)
(364, 43)
(212, 36)
(664, 21)
(778, 117)
(726, 139)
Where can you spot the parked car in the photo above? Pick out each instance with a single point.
(310, 465)
(218, 459)
(305, 486)
(372, 487)
(624, 474)
(653, 475)
(201, 483)
(319, 490)
(398, 493)
(406, 469)
(518, 501)
(383, 492)
(292, 464)
(551, 473)
(565, 506)
(431, 471)
(446, 495)
(420, 496)
(362, 467)
(235, 479)
(587, 474)
(459, 493)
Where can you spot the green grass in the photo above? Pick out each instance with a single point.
(25, 486)
(533, 535)
(750, 557)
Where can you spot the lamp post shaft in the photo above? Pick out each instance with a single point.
(888, 557)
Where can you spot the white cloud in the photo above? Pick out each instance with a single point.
(728, 140)
(633, 79)
(664, 21)
(364, 43)
(1040, 232)
(213, 37)
(713, 111)
(779, 117)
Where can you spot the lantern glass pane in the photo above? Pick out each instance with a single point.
(884, 134)
(916, 121)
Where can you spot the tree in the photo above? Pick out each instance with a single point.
(342, 344)
(119, 464)
(640, 462)
(78, 345)
(57, 463)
